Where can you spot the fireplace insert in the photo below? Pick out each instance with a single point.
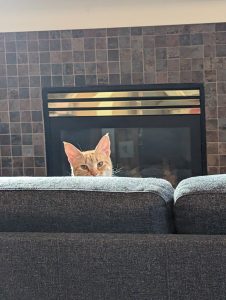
(155, 130)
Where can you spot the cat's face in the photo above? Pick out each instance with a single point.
(95, 162)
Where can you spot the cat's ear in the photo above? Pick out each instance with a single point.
(73, 153)
(104, 145)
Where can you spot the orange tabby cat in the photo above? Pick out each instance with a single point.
(95, 162)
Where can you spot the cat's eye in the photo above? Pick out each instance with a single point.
(84, 167)
(100, 164)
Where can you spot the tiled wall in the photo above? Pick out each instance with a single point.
(164, 54)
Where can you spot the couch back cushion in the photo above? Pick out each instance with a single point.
(200, 205)
(86, 204)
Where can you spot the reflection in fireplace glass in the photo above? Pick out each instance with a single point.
(139, 152)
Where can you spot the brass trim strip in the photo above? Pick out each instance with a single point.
(121, 104)
(122, 94)
(126, 112)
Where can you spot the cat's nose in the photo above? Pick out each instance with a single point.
(93, 172)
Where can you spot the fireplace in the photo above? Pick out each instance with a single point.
(155, 130)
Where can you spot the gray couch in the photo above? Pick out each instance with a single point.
(112, 238)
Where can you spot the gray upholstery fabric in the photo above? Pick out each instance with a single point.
(111, 266)
(86, 204)
(200, 205)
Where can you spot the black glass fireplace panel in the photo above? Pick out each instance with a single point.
(158, 146)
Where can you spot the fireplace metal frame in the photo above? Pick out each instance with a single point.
(153, 106)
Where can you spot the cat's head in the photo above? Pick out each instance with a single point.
(95, 162)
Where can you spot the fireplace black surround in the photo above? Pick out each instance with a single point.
(155, 130)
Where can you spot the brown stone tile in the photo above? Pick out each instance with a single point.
(221, 112)
(125, 54)
(222, 136)
(29, 171)
(172, 40)
(148, 30)
(173, 65)
(213, 170)
(39, 150)
(7, 172)
(161, 77)
(185, 64)
(209, 63)
(101, 43)
(112, 43)
(79, 68)
(17, 162)
(222, 148)
(66, 44)
(149, 77)
(124, 31)
(124, 42)
(67, 57)
(213, 160)
(197, 64)
(137, 78)
(212, 136)
(136, 42)
(192, 51)
(15, 128)
(91, 80)
(18, 172)
(221, 27)
(6, 150)
(161, 65)
(210, 75)
(90, 68)
(211, 124)
(39, 171)
(209, 51)
(16, 150)
(102, 79)
(173, 77)
(212, 148)
(223, 161)
(186, 76)
(220, 50)
(211, 112)
(78, 44)
(136, 31)
(126, 78)
(26, 127)
(125, 67)
(14, 105)
(197, 76)
(221, 87)
(102, 68)
(161, 53)
(210, 100)
(185, 39)
(221, 75)
(56, 57)
(173, 52)
(113, 67)
(148, 41)
(39, 162)
(78, 33)
(221, 37)
(222, 170)
(160, 41)
(113, 55)
(221, 99)
(160, 30)
(114, 79)
(197, 38)
(112, 31)
(101, 55)
(89, 43)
